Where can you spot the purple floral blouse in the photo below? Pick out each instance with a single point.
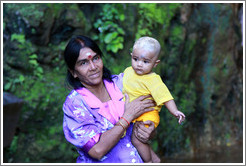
(86, 118)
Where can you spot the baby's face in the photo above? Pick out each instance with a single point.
(143, 61)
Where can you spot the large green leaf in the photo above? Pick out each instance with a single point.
(109, 37)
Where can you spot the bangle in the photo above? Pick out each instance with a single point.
(122, 125)
(123, 128)
(125, 120)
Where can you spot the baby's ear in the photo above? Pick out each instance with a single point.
(157, 62)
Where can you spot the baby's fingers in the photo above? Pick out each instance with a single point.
(181, 119)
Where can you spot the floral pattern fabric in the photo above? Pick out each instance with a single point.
(86, 118)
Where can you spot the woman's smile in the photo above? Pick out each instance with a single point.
(94, 75)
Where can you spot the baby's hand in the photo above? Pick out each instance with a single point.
(180, 116)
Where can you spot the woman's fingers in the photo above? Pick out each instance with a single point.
(140, 132)
(143, 97)
(148, 101)
(127, 100)
(140, 137)
(146, 106)
(138, 106)
(148, 109)
(151, 125)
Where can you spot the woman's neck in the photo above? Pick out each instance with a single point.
(95, 89)
(100, 92)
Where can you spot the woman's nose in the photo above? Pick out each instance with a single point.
(92, 65)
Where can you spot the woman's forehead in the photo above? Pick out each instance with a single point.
(89, 55)
(86, 53)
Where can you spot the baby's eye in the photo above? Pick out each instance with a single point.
(135, 59)
(146, 61)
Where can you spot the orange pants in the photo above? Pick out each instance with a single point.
(152, 116)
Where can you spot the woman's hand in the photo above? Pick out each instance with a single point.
(143, 133)
(137, 107)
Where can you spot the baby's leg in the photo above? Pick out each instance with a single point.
(143, 149)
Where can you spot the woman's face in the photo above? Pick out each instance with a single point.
(88, 68)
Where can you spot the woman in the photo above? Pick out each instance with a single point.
(96, 120)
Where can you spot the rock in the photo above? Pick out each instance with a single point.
(11, 113)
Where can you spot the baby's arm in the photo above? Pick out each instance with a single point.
(171, 106)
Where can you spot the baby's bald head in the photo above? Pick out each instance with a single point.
(148, 44)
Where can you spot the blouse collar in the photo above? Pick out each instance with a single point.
(93, 101)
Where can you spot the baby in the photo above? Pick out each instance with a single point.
(139, 79)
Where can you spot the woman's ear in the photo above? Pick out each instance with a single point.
(157, 62)
(73, 73)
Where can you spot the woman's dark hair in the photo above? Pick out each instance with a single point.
(71, 55)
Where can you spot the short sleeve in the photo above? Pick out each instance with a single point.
(158, 89)
(79, 125)
(118, 80)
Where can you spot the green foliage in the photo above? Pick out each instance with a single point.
(26, 52)
(152, 15)
(33, 12)
(42, 118)
(12, 82)
(37, 69)
(56, 8)
(43, 91)
(19, 38)
(108, 25)
(176, 35)
(172, 133)
(14, 145)
(57, 61)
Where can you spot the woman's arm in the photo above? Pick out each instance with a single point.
(111, 137)
(107, 141)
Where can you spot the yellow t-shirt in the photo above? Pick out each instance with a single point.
(137, 85)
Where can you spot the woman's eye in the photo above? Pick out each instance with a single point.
(83, 63)
(96, 57)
